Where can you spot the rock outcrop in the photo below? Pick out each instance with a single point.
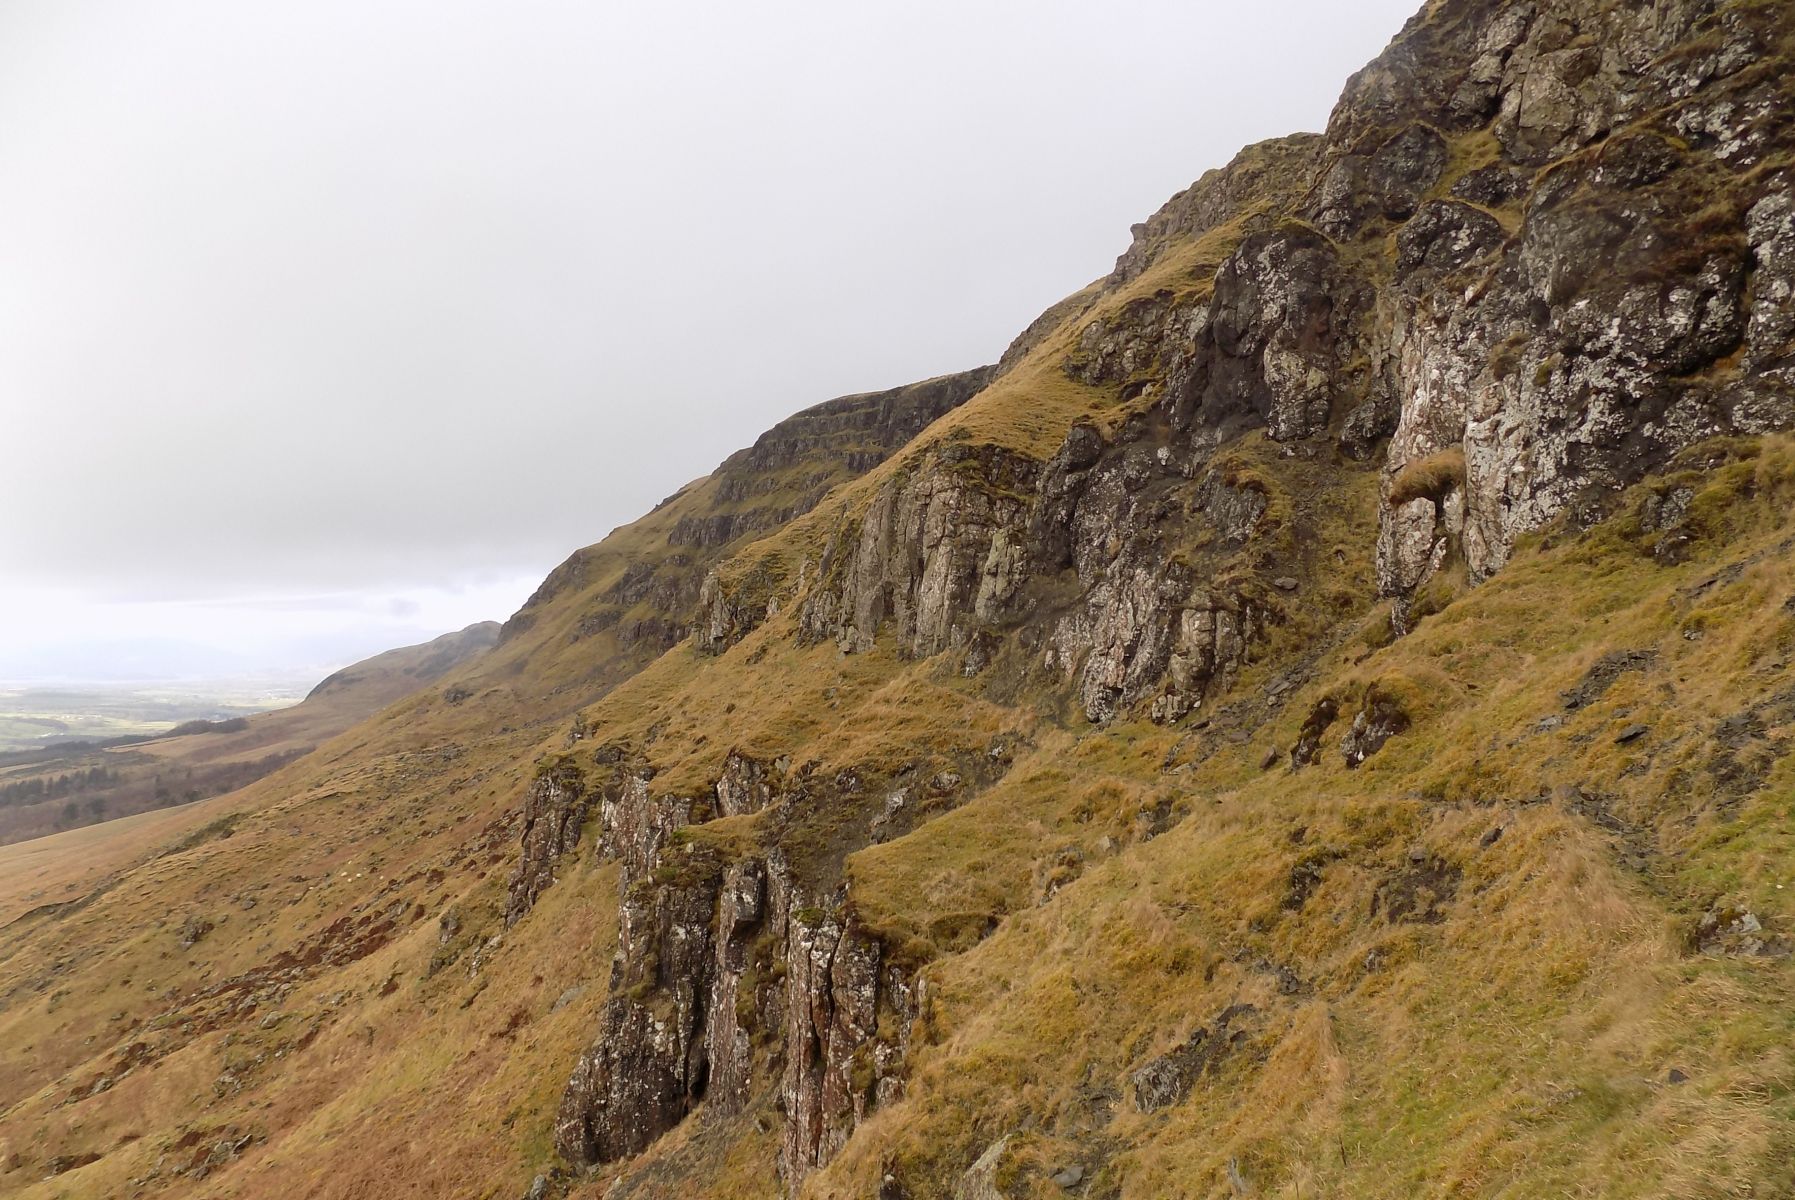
(554, 815)
(730, 979)
(1613, 288)
(1268, 565)
(1539, 251)
(639, 605)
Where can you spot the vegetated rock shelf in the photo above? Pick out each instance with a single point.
(1313, 719)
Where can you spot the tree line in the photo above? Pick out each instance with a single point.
(43, 787)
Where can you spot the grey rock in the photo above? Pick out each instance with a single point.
(1737, 932)
(1377, 721)
(980, 1179)
(1556, 319)
(1388, 182)
(1445, 237)
(554, 814)
(194, 931)
(1492, 187)
(1168, 1078)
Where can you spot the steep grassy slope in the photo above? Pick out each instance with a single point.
(140, 954)
(1315, 720)
(1484, 962)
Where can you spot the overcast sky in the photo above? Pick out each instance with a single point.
(334, 325)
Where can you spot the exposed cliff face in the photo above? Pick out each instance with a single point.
(932, 555)
(629, 600)
(1537, 254)
(554, 814)
(730, 979)
(1572, 282)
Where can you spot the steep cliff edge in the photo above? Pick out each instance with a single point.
(1537, 256)
(632, 597)
(1315, 719)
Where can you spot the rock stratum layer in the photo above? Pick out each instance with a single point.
(1313, 719)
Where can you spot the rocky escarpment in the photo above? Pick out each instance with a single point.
(794, 464)
(1142, 565)
(735, 975)
(1162, 776)
(1538, 252)
(554, 816)
(1576, 311)
(629, 607)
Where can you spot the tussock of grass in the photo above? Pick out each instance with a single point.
(1428, 478)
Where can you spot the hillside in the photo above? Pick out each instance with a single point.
(69, 786)
(1313, 720)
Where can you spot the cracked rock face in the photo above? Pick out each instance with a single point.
(554, 813)
(1540, 250)
(647, 1068)
(931, 552)
(1276, 327)
(714, 960)
(831, 1023)
(1567, 321)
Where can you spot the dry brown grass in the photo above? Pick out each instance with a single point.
(1428, 478)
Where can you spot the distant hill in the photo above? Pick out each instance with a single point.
(339, 701)
(57, 788)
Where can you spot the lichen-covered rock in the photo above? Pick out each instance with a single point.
(1165, 1080)
(933, 554)
(1770, 334)
(635, 823)
(654, 600)
(554, 814)
(1540, 250)
(1151, 335)
(1388, 181)
(1273, 172)
(980, 1180)
(648, 1066)
(832, 1016)
(1276, 327)
(745, 786)
(716, 960)
(1572, 363)
(737, 1009)
(1379, 719)
(1444, 236)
